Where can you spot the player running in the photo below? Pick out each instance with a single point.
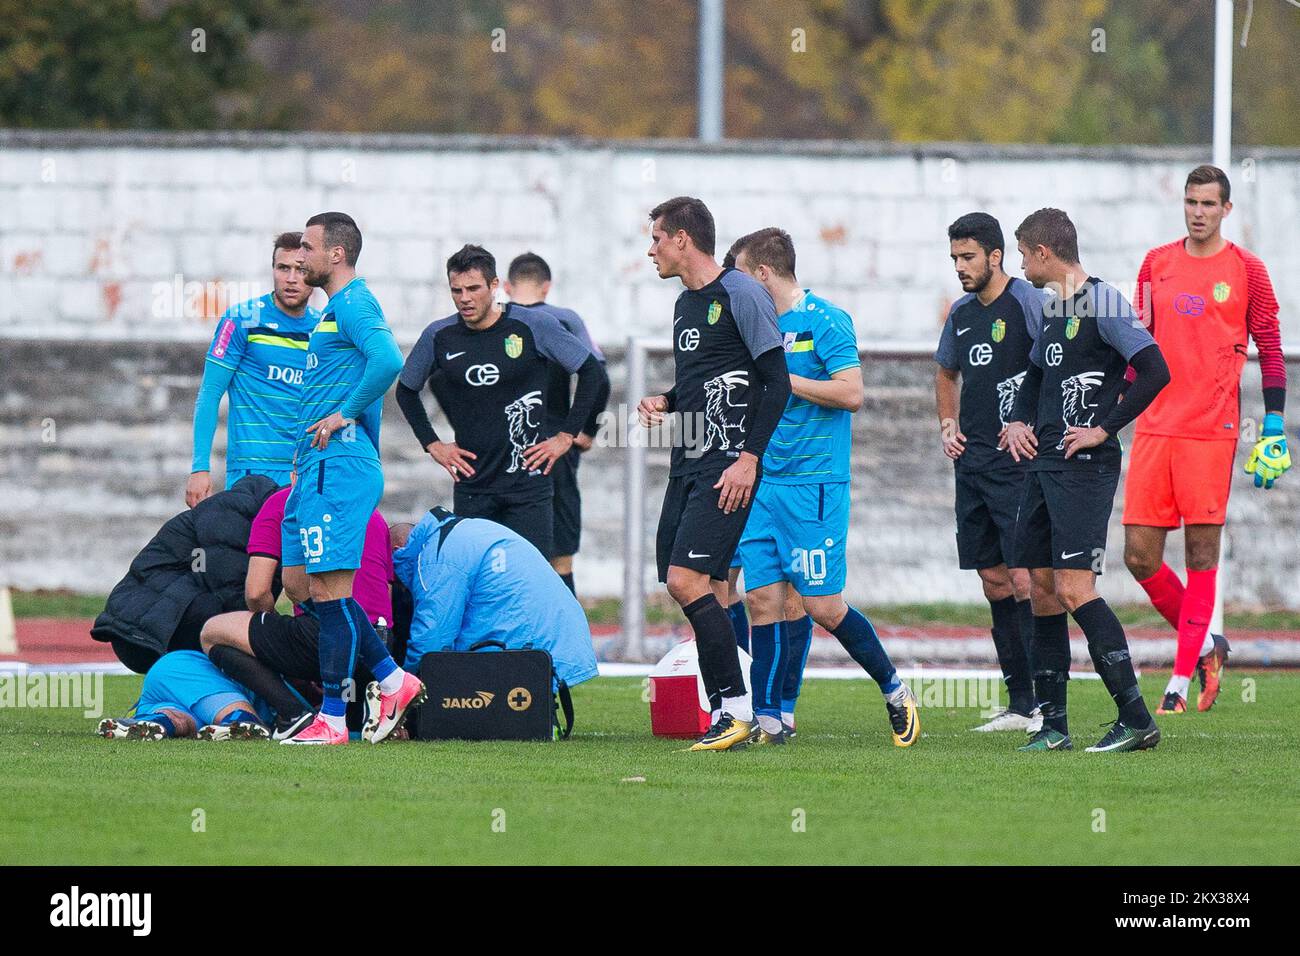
(1071, 393)
(528, 282)
(351, 361)
(798, 532)
(258, 353)
(985, 344)
(1201, 297)
(730, 387)
(489, 366)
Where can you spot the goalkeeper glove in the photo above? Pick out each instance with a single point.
(1270, 458)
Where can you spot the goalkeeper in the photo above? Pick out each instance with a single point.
(1200, 297)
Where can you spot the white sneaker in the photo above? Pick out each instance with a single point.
(1035, 721)
(1009, 720)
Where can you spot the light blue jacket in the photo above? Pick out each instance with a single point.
(472, 580)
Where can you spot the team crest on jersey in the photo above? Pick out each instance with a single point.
(1071, 326)
(715, 312)
(1221, 291)
(514, 346)
(787, 341)
(999, 330)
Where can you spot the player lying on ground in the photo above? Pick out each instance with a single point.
(528, 283)
(797, 534)
(489, 367)
(472, 579)
(258, 354)
(730, 389)
(1201, 297)
(1071, 394)
(985, 345)
(352, 360)
(184, 695)
(258, 648)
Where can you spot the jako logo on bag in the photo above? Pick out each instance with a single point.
(478, 702)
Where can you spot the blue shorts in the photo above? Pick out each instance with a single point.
(189, 682)
(797, 533)
(281, 478)
(326, 514)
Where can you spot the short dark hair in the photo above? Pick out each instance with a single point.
(528, 267)
(469, 257)
(771, 247)
(1051, 228)
(1205, 174)
(340, 230)
(983, 228)
(691, 216)
(286, 240)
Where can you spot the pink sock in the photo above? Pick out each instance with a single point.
(1166, 593)
(1194, 620)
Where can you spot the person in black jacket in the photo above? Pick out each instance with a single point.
(193, 569)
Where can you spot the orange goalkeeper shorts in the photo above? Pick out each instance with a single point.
(1174, 481)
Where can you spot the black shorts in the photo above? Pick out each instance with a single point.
(290, 646)
(987, 504)
(1064, 517)
(532, 520)
(567, 504)
(693, 531)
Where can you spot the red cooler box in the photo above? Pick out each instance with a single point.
(679, 707)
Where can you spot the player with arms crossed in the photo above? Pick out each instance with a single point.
(528, 283)
(1201, 297)
(258, 353)
(731, 387)
(489, 367)
(985, 345)
(1071, 394)
(798, 532)
(352, 360)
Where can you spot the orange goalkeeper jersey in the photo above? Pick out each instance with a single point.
(1201, 311)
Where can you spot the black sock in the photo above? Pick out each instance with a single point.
(716, 642)
(1052, 668)
(1011, 655)
(247, 671)
(568, 582)
(1109, 649)
(1025, 619)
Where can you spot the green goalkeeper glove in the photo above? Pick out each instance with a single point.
(1270, 458)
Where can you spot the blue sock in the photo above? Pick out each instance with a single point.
(338, 655)
(740, 624)
(767, 673)
(798, 637)
(242, 715)
(371, 649)
(161, 719)
(860, 640)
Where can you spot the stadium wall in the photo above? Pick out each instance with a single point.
(115, 248)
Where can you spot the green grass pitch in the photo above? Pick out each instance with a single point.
(1220, 789)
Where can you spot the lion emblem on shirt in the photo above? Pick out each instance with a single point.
(1008, 389)
(1078, 400)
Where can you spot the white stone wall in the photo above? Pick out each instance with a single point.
(93, 225)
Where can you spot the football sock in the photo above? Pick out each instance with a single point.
(1025, 621)
(393, 682)
(1011, 655)
(798, 637)
(1179, 686)
(740, 624)
(738, 707)
(1207, 645)
(162, 720)
(244, 715)
(767, 672)
(1109, 650)
(1194, 619)
(859, 638)
(247, 671)
(1166, 593)
(370, 646)
(568, 583)
(716, 643)
(338, 722)
(1052, 668)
